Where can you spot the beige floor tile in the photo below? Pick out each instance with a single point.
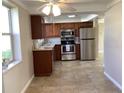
(69, 89)
(74, 77)
(88, 91)
(51, 90)
(34, 90)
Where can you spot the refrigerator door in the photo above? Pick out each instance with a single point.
(87, 33)
(87, 49)
(83, 33)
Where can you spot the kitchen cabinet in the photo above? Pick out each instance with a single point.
(67, 25)
(37, 26)
(77, 27)
(56, 30)
(53, 30)
(57, 52)
(78, 51)
(86, 25)
(43, 62)
(48, 30)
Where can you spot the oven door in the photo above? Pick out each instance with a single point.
(66, 42)
(68, 49)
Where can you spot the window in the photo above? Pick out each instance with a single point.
(7, 46)
(11, 44)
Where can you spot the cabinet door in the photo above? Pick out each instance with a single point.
(42, 63)
(36, 26)
(52, 30)
(43, 27)
(77, 28)
(86, 24)
(56, 30)
(78, 51)
(67, 25)
(48, 30)
(57, 53)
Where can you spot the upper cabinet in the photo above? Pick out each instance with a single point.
(45, 30)
(52, 30)
(67, 25)
(37, 26)
(56, 30)
(48, 30)
(77, 27)
(86, 24)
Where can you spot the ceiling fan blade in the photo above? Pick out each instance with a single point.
(65, 7)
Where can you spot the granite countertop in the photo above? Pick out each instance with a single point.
(45, 48)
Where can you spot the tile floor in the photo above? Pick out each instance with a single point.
(74, 77)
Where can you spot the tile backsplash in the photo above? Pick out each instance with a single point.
(37, 43)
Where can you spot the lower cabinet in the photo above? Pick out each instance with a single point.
(57, 53)
(43, 62)
(77, 51)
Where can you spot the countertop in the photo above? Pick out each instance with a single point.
(45, 48)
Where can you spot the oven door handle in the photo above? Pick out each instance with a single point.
(68, 45)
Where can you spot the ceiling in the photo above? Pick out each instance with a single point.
(83, 7)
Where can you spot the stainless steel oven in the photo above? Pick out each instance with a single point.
(68, 44)
(67, 49)
(68, 52)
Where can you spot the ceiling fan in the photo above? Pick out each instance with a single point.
(54, 7)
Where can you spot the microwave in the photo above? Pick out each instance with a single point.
(67, 32)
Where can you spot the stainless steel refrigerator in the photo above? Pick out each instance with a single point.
(87, 44)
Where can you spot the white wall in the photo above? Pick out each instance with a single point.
(16, 78)
(112, 44)
(101, 37)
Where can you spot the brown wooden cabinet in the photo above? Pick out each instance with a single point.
(53, 30)
(41, 30)
(86, 25)
(56, 30)
(78, 51)
(67, 25)
(77, 27)
(37, 26)
(57, 52)
(48, 30)
(43, 62)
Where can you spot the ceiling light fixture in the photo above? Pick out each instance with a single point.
(46, 10)
(56, 10)
(52, 9)
(71, 16)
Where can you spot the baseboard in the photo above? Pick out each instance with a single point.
(27, 84)
(113, 81)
